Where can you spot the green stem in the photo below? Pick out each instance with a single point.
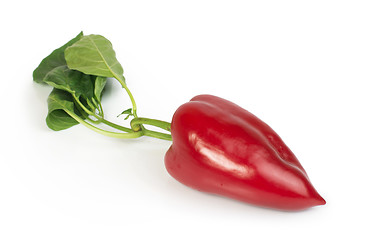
(101, 119)
(136, 125)
(79, 108)
(123, 84)
(155, 134)
(136, 122)
(82, 106)
(114, 125)
(104, 132)
(99, 107)
(91, 105)
(132, 101)
(86, 112)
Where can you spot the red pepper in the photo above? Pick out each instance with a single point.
(220, 148)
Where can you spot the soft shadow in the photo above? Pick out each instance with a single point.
(35, 104)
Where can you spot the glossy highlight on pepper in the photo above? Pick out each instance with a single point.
(221, 148)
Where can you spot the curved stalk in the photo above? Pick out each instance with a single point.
(114, 125)
(105, 132)
(136, 125)
(132, 101)
(136, 122)
(154, 134)
(101, 119)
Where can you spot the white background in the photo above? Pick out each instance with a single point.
(301, 66)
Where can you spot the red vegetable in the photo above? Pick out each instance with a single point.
(220, 148)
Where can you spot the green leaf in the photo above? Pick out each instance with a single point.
(128, 112)
(100, 83)
(55, 59)
(93, 54)
(58, 119)
(72, 81)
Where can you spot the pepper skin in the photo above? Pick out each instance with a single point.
(220, 148)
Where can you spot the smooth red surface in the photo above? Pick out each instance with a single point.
(219, 147)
